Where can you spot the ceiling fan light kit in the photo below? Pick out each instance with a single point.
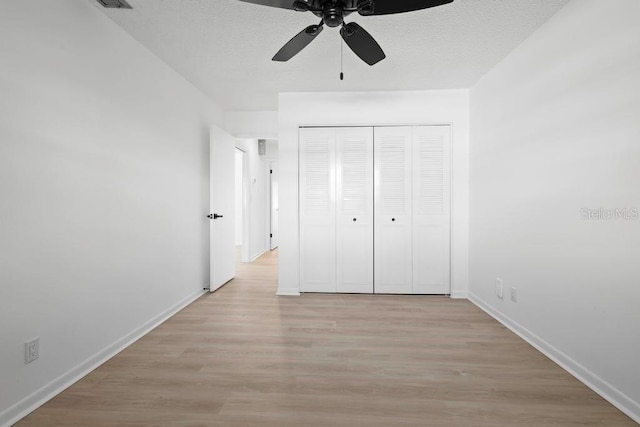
(332, 14)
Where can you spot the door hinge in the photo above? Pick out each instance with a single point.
(271, 235)
(271, 171)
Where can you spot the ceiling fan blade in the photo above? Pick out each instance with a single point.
(299, 42)
(284, 4)
(387, 7)
(362, 44)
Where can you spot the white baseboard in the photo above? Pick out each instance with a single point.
(255, 257)
(459, 294)
(288, 292)
(21, 409)
(584, 375)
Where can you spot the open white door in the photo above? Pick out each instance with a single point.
(222, 178)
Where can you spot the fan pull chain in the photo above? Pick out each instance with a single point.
(341, 58)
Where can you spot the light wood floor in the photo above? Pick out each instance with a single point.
(244, 357)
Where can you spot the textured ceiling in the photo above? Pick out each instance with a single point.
(224, 47)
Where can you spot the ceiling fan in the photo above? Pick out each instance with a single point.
(333, 12)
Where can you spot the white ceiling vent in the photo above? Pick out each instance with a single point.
(115, 4)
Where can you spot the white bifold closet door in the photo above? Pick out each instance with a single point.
(431, 228)
(375, 210)
(393, 261)
(317, 210)
(412, 210)
(354, 210)
(336, 210)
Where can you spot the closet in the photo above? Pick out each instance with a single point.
(374, 209)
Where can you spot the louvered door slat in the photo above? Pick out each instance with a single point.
(392, 153)
(355, 180)
(430, 199)
(317, 175)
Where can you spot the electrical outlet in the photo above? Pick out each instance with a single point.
(499, 288)
(514, 294)
(31, 350)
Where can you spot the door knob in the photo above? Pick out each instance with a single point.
(214, 216)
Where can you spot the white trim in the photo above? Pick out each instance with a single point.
(288, 292)
(614, 396)
(459, 294)
(255, 257)
(24, 407)
(452, 190)
(269, 170)
(246, 204)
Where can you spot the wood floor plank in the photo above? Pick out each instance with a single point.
(245, 357)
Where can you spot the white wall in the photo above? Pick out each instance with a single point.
(252, 124)
(103, 193)
(371, 108)
(555, 129)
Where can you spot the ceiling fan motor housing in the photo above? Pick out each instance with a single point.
(332, 14)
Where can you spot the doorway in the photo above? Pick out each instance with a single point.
(240, 204)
